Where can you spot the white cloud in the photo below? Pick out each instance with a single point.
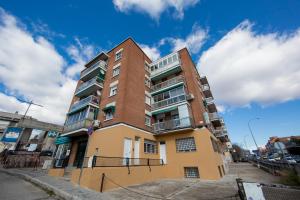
(193, 42)
(155, 8)
(246, 67)
(30, 67)
(152, 52)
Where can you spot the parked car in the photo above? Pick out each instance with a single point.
(290, 160)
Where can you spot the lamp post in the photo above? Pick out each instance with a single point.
(246, 142)
(252, 132)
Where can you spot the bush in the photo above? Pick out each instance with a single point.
(290, 178)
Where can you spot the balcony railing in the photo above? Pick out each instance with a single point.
(84, 102)
(166, 63)
(168, 83)
(89, 83)
(85, 123)
(168, 102)
(172, 124)
(209, 100)
(214, 116)
(100, 64)
(205, 87)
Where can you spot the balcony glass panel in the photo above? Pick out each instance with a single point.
(168, 102)
(172, 124)
(84, 123)
(167, 83)
(84, 102)
(164, 64)
(87, 84)
(100, 64)
(214, 116)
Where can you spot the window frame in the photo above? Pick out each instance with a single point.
(111, 115)
(153, 146)
(180, 149)
(149, 118)
(116, 69)
(113, 88)
(146, 102)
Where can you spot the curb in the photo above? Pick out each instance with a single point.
(43, 185)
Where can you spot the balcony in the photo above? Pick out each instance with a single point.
(206, 91)
(173, 124)
(93, 70)
(215, 119)
(166, 85)
(82, 124)
(165, 66)
(89, 87)
(90, 100)
(211, 105)
(169, 102)
(203, 80)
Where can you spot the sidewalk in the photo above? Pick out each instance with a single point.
(59, 186)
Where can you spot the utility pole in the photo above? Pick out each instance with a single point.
(246, 142)
(22, 119)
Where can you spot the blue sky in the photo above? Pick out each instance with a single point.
(248, 49)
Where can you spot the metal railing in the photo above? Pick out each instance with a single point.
(84, 102)
(167, 83)
(205, 87)
(100, 64)
(104, 161)
(84, 123)
(214, 116)
(172, 124)
(168, 102)
(87, 84)
(209, 100)
(165, 67)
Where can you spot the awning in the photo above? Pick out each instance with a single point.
(112, 108)
(163, 110)
(62, 140)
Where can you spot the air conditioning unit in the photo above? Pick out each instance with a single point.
(96, 123)
(190, 97)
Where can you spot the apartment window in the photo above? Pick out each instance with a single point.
(215, 145)
(116, 71)
(191, 172)
(109, 114)
(147, 82)
(150, 146)
(147, 120)
(147, 67)
(185, 144)
(147, 100)
(179, 91)
(113, 90)
(118, 55)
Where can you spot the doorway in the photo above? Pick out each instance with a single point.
(80, 154)
(162, 152)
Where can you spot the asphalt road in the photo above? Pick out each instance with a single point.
(13, 188)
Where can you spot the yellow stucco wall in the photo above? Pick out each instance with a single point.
(110, 141)
(56, 172)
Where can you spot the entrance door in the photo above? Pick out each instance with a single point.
(80, 154)
(137, 151)
(162, 152)
(127, 151)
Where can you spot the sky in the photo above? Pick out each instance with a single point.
(249, 50)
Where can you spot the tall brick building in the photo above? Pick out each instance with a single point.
(137, 108)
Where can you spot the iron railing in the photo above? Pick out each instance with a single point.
(209, 100)
(167, 83)
(100, 64)
(168, 102)
(205, 87)
(105, 161)
(84, 102)
(172, 124)
(85, 85)
(85, 123)
(214, 116)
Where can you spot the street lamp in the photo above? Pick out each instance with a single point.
(251, 130)
(246, 142)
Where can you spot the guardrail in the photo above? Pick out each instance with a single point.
(84, 102)
(85, 123)
(87, 84)
(101, 64)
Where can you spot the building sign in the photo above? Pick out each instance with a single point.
(11, 134)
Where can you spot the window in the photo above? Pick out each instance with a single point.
(116, 71)
(147, 82)
(113, 90)
(147, 100)
(147, 120)
(185, 144)
(109, 114)
(215, 145)
(191, 172)
(150, 146)
(147, 67)
(118, 55)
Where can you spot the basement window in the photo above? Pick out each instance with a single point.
(185, 144)
(191, 172)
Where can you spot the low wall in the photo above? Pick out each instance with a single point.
(58, 172)
(91, 177)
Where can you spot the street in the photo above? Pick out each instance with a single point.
(12, 188)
